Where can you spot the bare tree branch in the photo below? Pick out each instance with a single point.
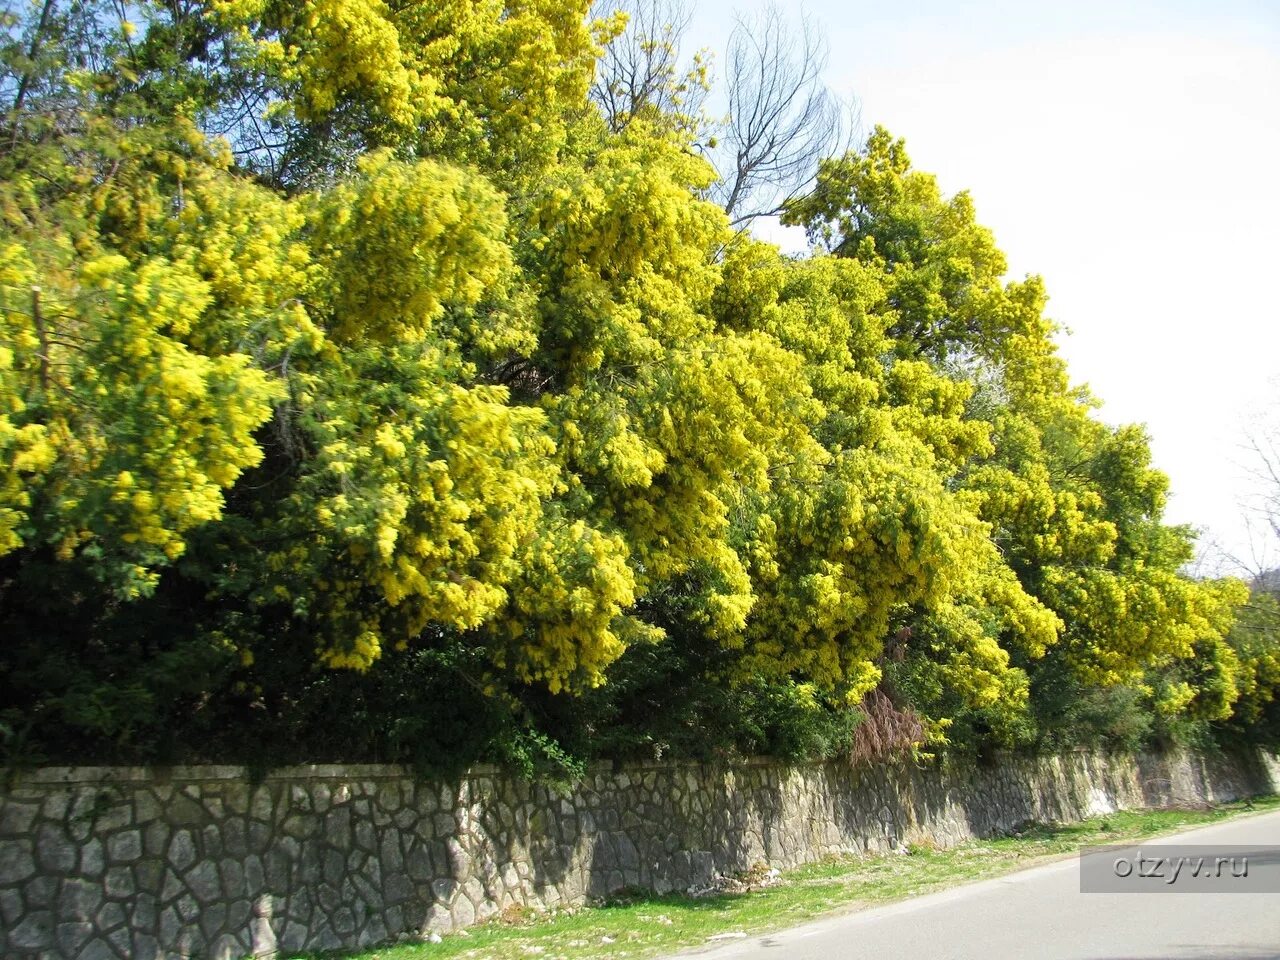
(1257, 558)
(641, 71)
(1266, 469)
(782, 119)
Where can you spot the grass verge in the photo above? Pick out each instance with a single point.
(646, 925)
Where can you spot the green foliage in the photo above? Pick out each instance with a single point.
(682, 698)
(1254, 640)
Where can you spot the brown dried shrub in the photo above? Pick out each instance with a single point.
(887, 730)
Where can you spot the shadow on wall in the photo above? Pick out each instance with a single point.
(1200, 779)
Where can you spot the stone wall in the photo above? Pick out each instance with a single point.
(134, 863)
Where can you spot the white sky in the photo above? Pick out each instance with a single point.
(1128, 153)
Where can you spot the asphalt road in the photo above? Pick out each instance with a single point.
(1041, 913)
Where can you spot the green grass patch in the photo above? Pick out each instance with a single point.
(646, 925)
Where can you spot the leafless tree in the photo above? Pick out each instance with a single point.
(781, 119)
(1266, 451)
(1263, 511)
(642, 71)
(1256, 556)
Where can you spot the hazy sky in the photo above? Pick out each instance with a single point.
(1130, 154)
